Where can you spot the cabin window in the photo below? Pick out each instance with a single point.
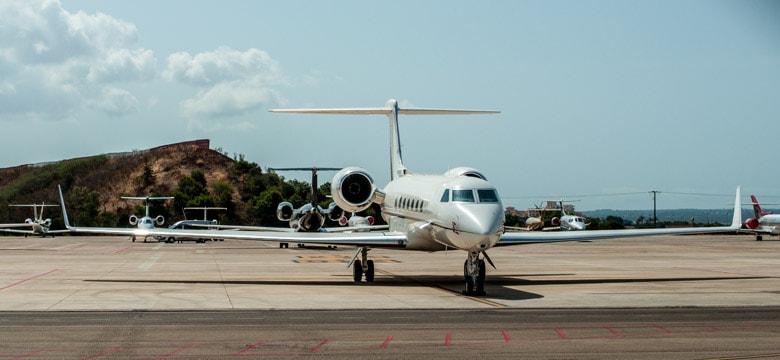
(463, 195)
(446, 196)
(487, 195)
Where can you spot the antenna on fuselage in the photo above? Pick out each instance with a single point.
(391, 109)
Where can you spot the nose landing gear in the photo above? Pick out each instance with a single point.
(474, 274)
(362, 268)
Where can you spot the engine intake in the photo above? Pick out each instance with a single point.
(353, 189)
(284, 211)
(335, 213)
(159, 220)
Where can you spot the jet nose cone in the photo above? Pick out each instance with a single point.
(478, 228)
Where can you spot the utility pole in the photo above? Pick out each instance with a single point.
(655, 218)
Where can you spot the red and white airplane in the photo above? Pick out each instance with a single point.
(457, 210)
(763, 222)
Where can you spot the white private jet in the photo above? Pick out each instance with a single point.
(457, 210)
(146, 222)
(38, 226)
(571, 222)
(763, 222)
(309, 217)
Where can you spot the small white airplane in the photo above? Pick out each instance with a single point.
(458, 210)
(763, 222)
(146, 222)
(38, 226)
(309, 217)
(571, 222)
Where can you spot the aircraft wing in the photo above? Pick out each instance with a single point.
(15, 231)
(370, 238)
(17, 225)
(340, 229)
(517, 238)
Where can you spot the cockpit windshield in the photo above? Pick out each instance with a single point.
(487, 195)
(470, 195)
(463, 195)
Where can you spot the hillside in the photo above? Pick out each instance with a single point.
(112, 176)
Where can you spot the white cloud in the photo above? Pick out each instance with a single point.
(229, 82)
(58, 62)
(115, 102)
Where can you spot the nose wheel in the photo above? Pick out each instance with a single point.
(474, 274)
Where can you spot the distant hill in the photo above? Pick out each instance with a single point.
(112, 175)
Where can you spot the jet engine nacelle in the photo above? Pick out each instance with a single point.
(284, 211)
(133, 220)
(353, 189)
(335, 213)
(159, 220)
(465, 171)
(46, 222)
(555, 221)
(28, 221)
(751, 223)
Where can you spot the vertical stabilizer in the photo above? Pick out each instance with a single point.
(392, 111)
(757, 208)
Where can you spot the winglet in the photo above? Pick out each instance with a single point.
(64, 212)
(736, 221)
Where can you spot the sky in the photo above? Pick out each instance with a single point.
(601, 102)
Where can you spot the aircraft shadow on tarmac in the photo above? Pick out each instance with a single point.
(498, 286)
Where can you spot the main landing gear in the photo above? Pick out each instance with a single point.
(474, 273)
(362, 268)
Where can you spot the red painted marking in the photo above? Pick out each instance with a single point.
(107, 352)
(249, 348)
(26, 280)
(448, 339)
(506, 335)
(659, 327)
(561, 334)
(613, 331)
(190, 346)
(387, 342)
(319, 346)
(34, 353)
(756, 325)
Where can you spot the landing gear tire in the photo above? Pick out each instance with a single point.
(759, 238)
(357, 271)
(474, 274)
(370, 271)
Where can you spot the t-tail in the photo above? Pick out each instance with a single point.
(392, 110)
(757, 207)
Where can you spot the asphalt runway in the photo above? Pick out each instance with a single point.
(644, 333)
(663, 297)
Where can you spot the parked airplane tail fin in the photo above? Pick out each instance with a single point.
(757, 208)
(64, 212)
